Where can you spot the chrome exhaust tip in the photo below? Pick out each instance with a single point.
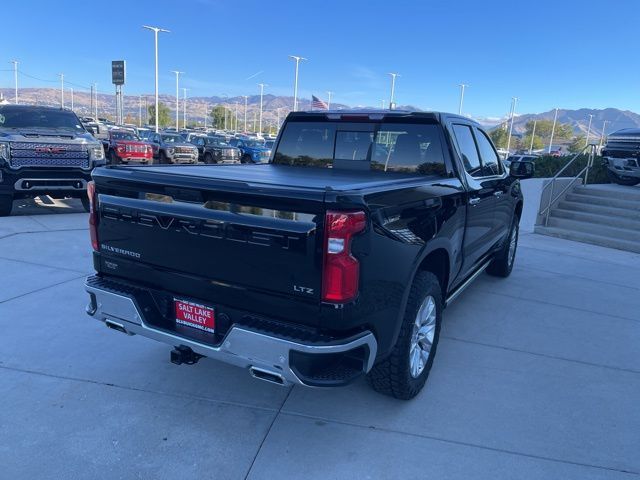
(116, 326)
(267, 376)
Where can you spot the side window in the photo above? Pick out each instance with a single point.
(468, 150)
(490, 160)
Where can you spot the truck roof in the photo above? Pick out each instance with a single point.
(378, 114)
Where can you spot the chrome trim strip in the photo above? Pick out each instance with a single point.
(466, 283)
(241, 347)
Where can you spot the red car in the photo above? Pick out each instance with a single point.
(124, 146)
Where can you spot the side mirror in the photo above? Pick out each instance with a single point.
(521, 170)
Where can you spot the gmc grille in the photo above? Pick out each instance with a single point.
(25, 154)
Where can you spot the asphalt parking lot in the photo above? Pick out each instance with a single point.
(537, 376)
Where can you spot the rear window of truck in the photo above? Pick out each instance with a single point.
(413, 148)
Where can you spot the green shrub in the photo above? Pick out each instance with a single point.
(547, 166)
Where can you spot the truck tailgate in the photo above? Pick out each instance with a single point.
(224, 233)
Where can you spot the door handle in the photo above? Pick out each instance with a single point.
(497, 193)
(474, 201)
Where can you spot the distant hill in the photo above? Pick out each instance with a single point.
(579, 120)
(197, 106)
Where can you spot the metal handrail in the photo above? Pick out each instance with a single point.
(585, 171)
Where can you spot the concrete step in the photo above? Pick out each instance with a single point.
(599, 210)
(604, 201)
(589, 238)
(596, 219)
(620, 192)
(601, 230)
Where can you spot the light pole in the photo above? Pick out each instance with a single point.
(177, 97)
(245, 113)
(462, 87)
(261, 85)
(235, 130)
(15, 77)
(155, 31)
(604, 128)
(61, 90)
(514, 101)
(393, 90)
(295, 83)
(206, 109)
(95, 89)
(71, 89)
(329, 101)
(586, 143)
(533, 135)
(382, 102)
(184, 108)
(553, 129)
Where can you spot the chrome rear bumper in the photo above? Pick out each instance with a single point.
(241, 346)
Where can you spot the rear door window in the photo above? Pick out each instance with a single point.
(468, 150)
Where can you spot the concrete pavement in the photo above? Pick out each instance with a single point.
(537, 376)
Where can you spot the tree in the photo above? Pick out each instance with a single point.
(164, 115)
(537, 142)
(577, 144)
(563, 131)
(500, 135)
(217, 116)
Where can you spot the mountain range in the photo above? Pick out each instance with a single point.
(278, 106)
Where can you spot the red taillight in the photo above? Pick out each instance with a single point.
(341, 270)
(93, 214)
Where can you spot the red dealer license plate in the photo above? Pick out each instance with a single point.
(195, 315)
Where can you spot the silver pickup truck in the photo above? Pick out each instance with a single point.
(44, 151)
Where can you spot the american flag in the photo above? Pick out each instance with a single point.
(318, 104)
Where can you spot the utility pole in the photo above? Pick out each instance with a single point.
(553, 129)
(533, 135)
(156, 30)
(392, 105)
(177, 98)
(462, 87)
(15, 78)
(261, 85)
(295, 83)
(184, 108)
(514, 101)
(329, 101)
(61, 90)
(588, 130)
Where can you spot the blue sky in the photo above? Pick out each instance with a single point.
(547, 53)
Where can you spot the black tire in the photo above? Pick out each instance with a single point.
(163, 158)
(502, 263)
(6, 205)
(620, 180)
(85, 203)
(392, 376)
(208, 158)
(246, 159)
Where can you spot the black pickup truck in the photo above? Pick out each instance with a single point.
(334, 260)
